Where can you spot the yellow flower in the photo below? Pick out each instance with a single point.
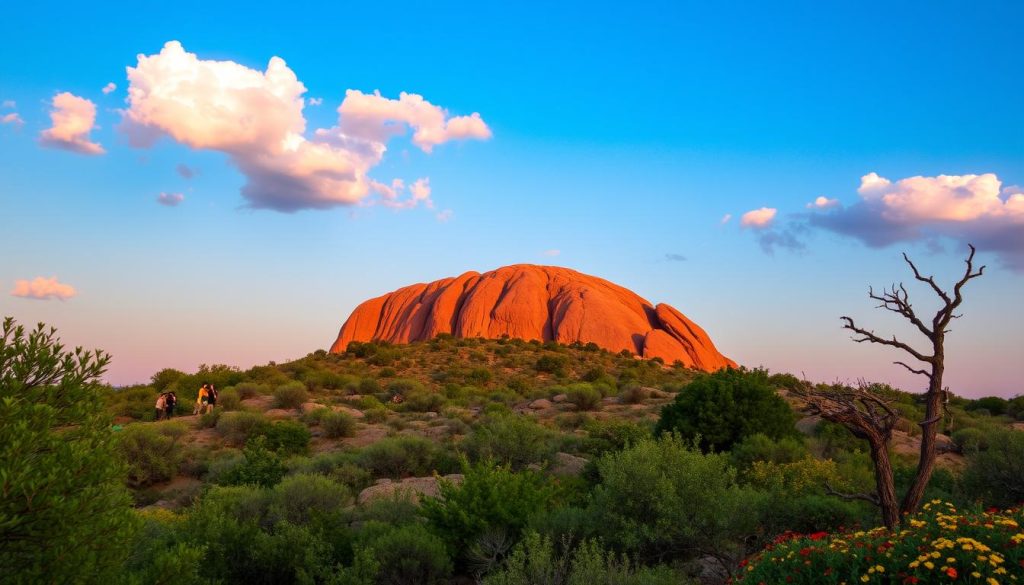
(929, 564)
(880, 568)
(865, 578)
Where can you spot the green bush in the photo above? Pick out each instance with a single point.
(535, 561)
(151, 451)
(298, 499)
(290, 395)
(662, 498)
(634, 394)
(337, 424)
(64, 512)
(404, 456)
(552, 364)
(993, 404)
(510, 439)
(287, 437)
(405, 554)
(248, 390)
(489, 499)
(257, 466)
(239, 427)
(971, 439)
(995, 476)
(724, 407)
(229, 399)
(760, 447)
(584, 396)
(613, 435)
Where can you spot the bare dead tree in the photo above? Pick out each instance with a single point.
(869, 417)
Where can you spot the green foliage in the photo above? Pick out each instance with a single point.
(229, 399)
(613, 435)
(64, 510)
(290, 395)
(663, 498)
(584, 396)
(405, 554)
(761, 447)
(996, 475)
(288, 437)
(552, 364)
(724, 407)
(248, 390)
(535, 561)
(337, 424)
(490, 499)
(971, 439)
(404, 456)
(993, 404)
(238, 427)
(151, 451)
(162, 380)
(258, 466)
(510, 439)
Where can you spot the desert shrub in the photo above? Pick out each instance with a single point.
(369, 386)
(383, 357)
(584, 396)
(160, 553)
(405, 554)
(375, 415)
(995, 475)
(795, 500)
(537, 561)
(404, 456)
(162, 380)
(663, 498)
(290, 395)
(229, 399)
(299, 498)
(552, 364)
(337, 424)
(238, 427)
(613, 435)
(209, 419)
(510, 439)
(287, 437)
(491, 498)
(65, 512)
(257, 466)
(993, 404)
(423, 401)
(151, 451)
(520, 385)
(1015, 407)
(724, 407)
(136, 402)
(760, 447)
(971, 439)
(834, 439)
(634, 394)
(248, 390)
(938, 545)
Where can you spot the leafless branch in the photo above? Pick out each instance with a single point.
(864, 497)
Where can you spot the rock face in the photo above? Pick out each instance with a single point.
(533, 302)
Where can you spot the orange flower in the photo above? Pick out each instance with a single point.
(951, 572)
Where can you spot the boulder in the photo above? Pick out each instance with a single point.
(414, 487)
(540, 404)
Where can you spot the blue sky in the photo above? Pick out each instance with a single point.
(621, 134)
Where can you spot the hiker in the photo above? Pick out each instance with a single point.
(201, 400)
(161, 404)
(169, 403)
(212, 396)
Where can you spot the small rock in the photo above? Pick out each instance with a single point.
(540, 404)
(567, 464)
(561, 398)
(276, 413)
(414, 487)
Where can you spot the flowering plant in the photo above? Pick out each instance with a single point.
(938, 545)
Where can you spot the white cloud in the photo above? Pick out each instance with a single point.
(42, 289)
(552, 253)
(315, 101)
(967, 208)
(823, 203)
(13, 119)
(108, 88)
(445, 216)
(72, 119)
(725, 219)
(170, 199)
(758, 218)
(256, 118)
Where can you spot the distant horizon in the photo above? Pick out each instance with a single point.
(181, 191)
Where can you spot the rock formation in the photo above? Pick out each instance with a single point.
(533, 302)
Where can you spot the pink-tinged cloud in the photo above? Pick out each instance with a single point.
(13, 119)
(170, 199)
(967, 208)
(43, 289)
(725, 219)
(823, 203)
(72, 120)
(445, 216)
(108, 88)
(315, 101)
(375, 118)
(256, 118)
(551, 253)
(758, 218)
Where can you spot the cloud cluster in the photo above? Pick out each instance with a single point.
(170, 199)
(42, 289)
(758, 218)
(12, 118)
(965, 208)
(823, 202)
(72, 120)
(256, 118)
(108, 88)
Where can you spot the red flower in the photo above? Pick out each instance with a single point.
(911, 580)
(951, 572)
(817, 535)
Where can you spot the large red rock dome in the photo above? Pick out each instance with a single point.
(533, 302)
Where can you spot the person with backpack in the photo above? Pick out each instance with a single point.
(201, 400)
(169, 404)
(161, 404)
